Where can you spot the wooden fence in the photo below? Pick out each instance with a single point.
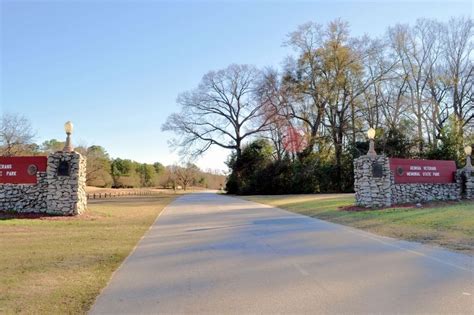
(104, 195)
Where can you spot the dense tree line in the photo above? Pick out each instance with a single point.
(299, 128)
(16, 139)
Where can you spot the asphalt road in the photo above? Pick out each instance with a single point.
(212, 254)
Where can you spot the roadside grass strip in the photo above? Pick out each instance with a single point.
(447, 224)
(58, 265)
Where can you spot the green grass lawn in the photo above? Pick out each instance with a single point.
(59, 265)
(447, 224)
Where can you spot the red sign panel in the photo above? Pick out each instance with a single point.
(21, 169)
(422, 171)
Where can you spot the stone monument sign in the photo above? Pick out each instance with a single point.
(54, 184)
(37, 184)
(381, 181)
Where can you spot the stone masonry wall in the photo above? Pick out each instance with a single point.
(408, 193)
(53, 193)
(66, 194)
(467, 177)
(372, 190)
(27, 197)
(381, 190)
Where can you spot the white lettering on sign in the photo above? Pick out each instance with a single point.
(6, 166)
(426, 171)
(424, 174)
(11, 173)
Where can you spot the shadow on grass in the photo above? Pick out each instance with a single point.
(11, 215)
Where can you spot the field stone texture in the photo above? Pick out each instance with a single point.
(372, 191)
(53, 194)
(25, 197)
(377, 192)
(409, 193)
(467, 178)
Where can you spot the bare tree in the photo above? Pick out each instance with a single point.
(16, 135)
(419, 48)
(185, 175)
(275, 97)
(437, 68)
(168, 179)
(222, 111)
(459, 51)
(307, 78)
(328, 78)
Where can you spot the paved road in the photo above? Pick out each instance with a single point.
(220, 255)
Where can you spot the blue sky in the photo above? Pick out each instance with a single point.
(115, 67)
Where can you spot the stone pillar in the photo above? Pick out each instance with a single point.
(467, 183)
(66, 178)
(373, 181)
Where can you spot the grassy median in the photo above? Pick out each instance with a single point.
(449, 225)
(58, 265)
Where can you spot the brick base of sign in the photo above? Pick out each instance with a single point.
(54, 193)
(374, 185)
